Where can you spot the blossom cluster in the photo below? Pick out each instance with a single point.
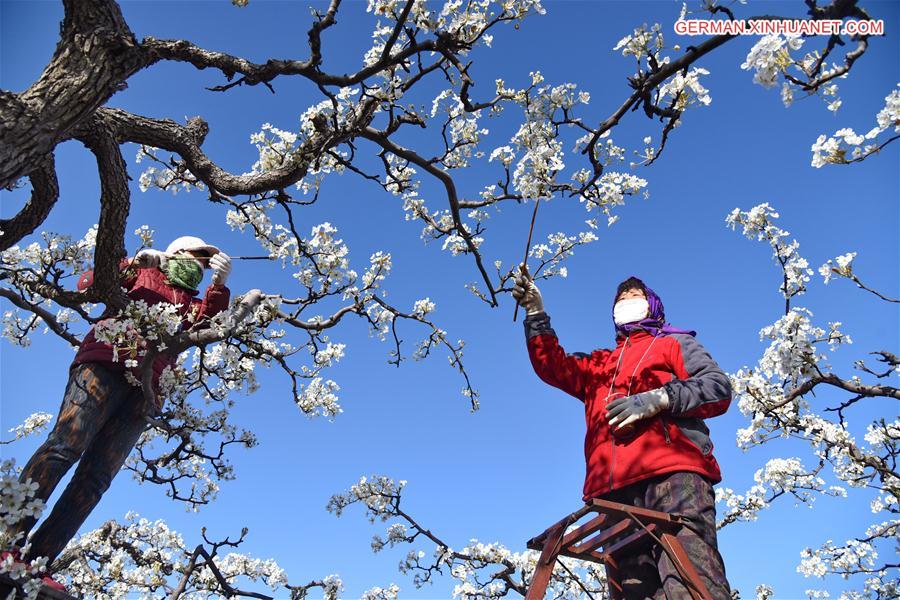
(770, 59)
(462, 127)
(18, 501)
(776, 395)
(33, 271)
(778, 477)
(465, 23)
(391, 592)
(479, 568)
(758, 223)
(139, 328)
(558, 247)
(846, 146)
(171, 175)
(148, 557)
(34, 423)
(378, 493)
(841, 266)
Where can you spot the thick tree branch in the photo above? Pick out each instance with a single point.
(254, 73)
(872, 391)
(315, 32)
(186, 141)
(115, 204)
(201, 337)
(44, 194)
(95, 55)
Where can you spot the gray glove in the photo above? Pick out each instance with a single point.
(526, 293)
(149, 259)
(220, 263)
(622, 412)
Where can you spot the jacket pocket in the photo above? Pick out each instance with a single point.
(696, 432)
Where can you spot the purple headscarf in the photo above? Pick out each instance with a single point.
(655, 323)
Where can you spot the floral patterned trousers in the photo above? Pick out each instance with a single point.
(99, 422)
(651, 574)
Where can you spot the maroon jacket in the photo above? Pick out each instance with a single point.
(151, 286)
(676, 439)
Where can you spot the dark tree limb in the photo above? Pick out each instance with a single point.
(871, 391)
(186, 140)
(48, 317)
(96, 54)
(44, 194)
(449, 185)
(227, 588)
(255, 73)
(115, 204)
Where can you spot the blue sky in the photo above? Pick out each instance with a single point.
(509, 470)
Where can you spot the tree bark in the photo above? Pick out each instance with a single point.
(96, 54)
(115, 204)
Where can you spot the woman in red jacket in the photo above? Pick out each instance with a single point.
(646, 443)
(102, 416)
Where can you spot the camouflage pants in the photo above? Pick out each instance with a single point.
(651, 574)
(99, 422)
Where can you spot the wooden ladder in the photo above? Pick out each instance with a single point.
(616, 529)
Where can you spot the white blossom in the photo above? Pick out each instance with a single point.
(34, 423)
(770, 57)
(845, 145)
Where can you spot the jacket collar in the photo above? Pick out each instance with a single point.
(635, 336)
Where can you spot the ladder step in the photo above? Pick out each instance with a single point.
(632, 539)
(646, 515)
(584, 531)
(537, 541)
(601, 538)
(626, 527)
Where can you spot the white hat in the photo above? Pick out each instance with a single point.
(189, 242)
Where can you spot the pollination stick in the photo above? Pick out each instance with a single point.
(527, 249)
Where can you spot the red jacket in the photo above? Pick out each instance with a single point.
(674, 440)
(151, 286)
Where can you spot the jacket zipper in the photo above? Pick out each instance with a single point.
(612, 438)
(612, 460)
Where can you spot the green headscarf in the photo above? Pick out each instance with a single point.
(184, 272)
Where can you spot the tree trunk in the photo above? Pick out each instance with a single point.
(96, 53)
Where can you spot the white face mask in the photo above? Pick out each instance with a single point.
(630, 310)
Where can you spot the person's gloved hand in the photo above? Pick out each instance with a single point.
(526, 293)
(220, 263)
(149, 259)
(622, 412)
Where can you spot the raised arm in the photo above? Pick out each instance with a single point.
(702, 389)
(551, 363)
(568, 372)
(217, 295)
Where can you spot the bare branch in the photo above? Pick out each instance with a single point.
(253, 73)
(45, 315)
(449, 185)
